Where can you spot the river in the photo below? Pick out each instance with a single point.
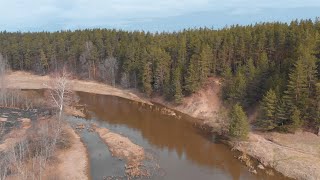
(180, 148)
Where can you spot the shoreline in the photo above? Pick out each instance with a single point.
(203, 105)
(26, 80)
(74, 161)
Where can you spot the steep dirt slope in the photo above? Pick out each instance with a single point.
(203, 104)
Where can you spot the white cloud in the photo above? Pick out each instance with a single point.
(82, 13)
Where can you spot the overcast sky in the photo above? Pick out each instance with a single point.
(149, 15)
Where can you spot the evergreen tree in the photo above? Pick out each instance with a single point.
(251, 70)
(192, 80)
(44, 61)
(177, 86)
(268, 111)
(295, 118)
(146, 79)
(281, 115)
(297, 92)
(239, 125)
(205, 58)
(237, 90)
(317, 112)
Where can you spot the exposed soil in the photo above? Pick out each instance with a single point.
(294, 155)
(73, 162)
(203, 104)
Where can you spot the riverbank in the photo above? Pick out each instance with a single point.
(25, 80)
(73, 162)
(274, 150)
(294, 155)
(32, 131)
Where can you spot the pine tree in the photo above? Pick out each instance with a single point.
(192, 80)
(177, 86)
(295, 118)
(263, 62)
(238, 88)
(297, 92)
(239, 125)
(205, 58)
(146, 79)
(317, 114)
(44, 61)
(251, 70)
(28, 59)
(268, 111)
(281, 115)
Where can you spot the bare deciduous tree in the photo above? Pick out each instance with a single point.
(111, 67)
(4, 165)
(125, 80)
(2, 128)
(29, 157)
(17, 155)
(60, 94)
(60, 91)
(3, 71)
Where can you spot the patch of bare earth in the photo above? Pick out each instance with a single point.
(24, 80)
(203, 104)
(121, 147)
(72, 162)
(294, 155)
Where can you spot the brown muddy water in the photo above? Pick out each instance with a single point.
(182, 151)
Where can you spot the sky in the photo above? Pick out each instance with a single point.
(148, 15)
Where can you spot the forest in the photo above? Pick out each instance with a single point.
(273, 66)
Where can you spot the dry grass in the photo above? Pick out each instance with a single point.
(24, 80)
(121, 147)
(70, 110)
(72, 162)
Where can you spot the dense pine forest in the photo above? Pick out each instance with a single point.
(271, 65)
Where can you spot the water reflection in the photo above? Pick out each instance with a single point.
(184, 152)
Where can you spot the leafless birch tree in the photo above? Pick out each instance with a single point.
(125, 80)
(4, 165)
(111, 67)
(3, 71)
(60, 91)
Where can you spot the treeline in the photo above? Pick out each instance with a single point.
(272, 64)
